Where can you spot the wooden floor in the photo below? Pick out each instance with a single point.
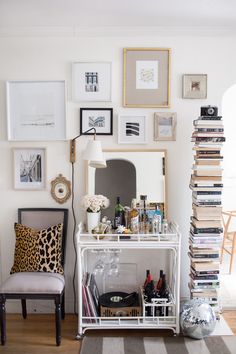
(35, 335)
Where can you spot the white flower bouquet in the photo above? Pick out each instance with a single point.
(94, 203)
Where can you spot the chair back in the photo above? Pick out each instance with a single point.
(229, 221)
(42, 218)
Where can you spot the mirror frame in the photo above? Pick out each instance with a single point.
(137, 150)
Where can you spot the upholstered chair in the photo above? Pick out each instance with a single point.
(41, 276)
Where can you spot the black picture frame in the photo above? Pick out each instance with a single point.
(90, 118)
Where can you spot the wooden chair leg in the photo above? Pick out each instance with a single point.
(63, 307)
(3, 319)
(232, 254)
(222, 250)
(24, 309)
(58, 319)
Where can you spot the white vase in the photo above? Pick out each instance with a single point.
(93, 220)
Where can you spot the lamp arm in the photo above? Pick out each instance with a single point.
(73, 144)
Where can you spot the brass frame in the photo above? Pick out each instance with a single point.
(63, 180)
(125, 104)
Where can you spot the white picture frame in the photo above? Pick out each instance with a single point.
(36, 110)
(91, 81)
(132, 129)
(165, 126)
(29, 168)
(195, 86)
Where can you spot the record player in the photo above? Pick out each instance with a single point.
(120, 304)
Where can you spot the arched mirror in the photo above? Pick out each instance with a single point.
(129, 174)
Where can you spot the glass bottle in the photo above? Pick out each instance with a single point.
(165, 226)
(160, 281)
(144, 221)
(134, 218)
(119, 214)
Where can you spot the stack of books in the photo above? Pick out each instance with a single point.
(206, 227)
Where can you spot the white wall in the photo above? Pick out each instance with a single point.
(48, 58)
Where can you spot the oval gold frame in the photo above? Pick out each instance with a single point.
(66, 183)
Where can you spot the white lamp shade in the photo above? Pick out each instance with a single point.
(94, 154)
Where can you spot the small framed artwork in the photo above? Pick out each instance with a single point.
(165, 126)
(195, 86)
(132, 130)
(36, 110)
(146, 80)
(99, 118)
(29, 168)
(91, 81)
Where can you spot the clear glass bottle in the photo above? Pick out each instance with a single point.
(165, 226)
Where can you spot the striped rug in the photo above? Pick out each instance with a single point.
(158, 345)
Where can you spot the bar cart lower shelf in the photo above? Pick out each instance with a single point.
(142, 243)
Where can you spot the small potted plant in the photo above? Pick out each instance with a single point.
(93, 204)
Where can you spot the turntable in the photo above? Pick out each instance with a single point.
(120, 304)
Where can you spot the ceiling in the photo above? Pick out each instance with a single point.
(115, 13)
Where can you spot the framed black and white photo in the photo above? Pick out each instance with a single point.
(195, 86)
(132, 129)
(91, 81)
(99, 118)
(29, 168)
(36, 110)
(165, 126)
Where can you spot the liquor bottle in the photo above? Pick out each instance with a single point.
(160, 282)
(119, 214)
(144, 221)
(134, 218)
(148, 278)
(164, 294)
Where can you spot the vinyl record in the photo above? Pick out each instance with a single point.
(117, 299)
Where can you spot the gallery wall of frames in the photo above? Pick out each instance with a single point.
(139, 93)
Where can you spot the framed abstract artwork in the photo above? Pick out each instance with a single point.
(146, 80)
(132, 129)
(99, 118)
(195, 86)
(29, 168)
(36, 110)
(91, 81)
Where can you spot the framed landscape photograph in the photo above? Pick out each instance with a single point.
(29, 168)
(132, 129)
(194, 86)
(99, 118)
(165, 126)
(91, 81)
(36, 110)
(146, 80)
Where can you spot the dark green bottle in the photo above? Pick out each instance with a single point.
(119, 214)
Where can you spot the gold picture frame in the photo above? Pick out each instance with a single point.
(146, 77)
(60, 189)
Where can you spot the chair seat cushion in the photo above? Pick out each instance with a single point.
(33, 283)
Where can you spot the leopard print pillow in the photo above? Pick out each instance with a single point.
(26, 258)
(38, 251)
(50, 249)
